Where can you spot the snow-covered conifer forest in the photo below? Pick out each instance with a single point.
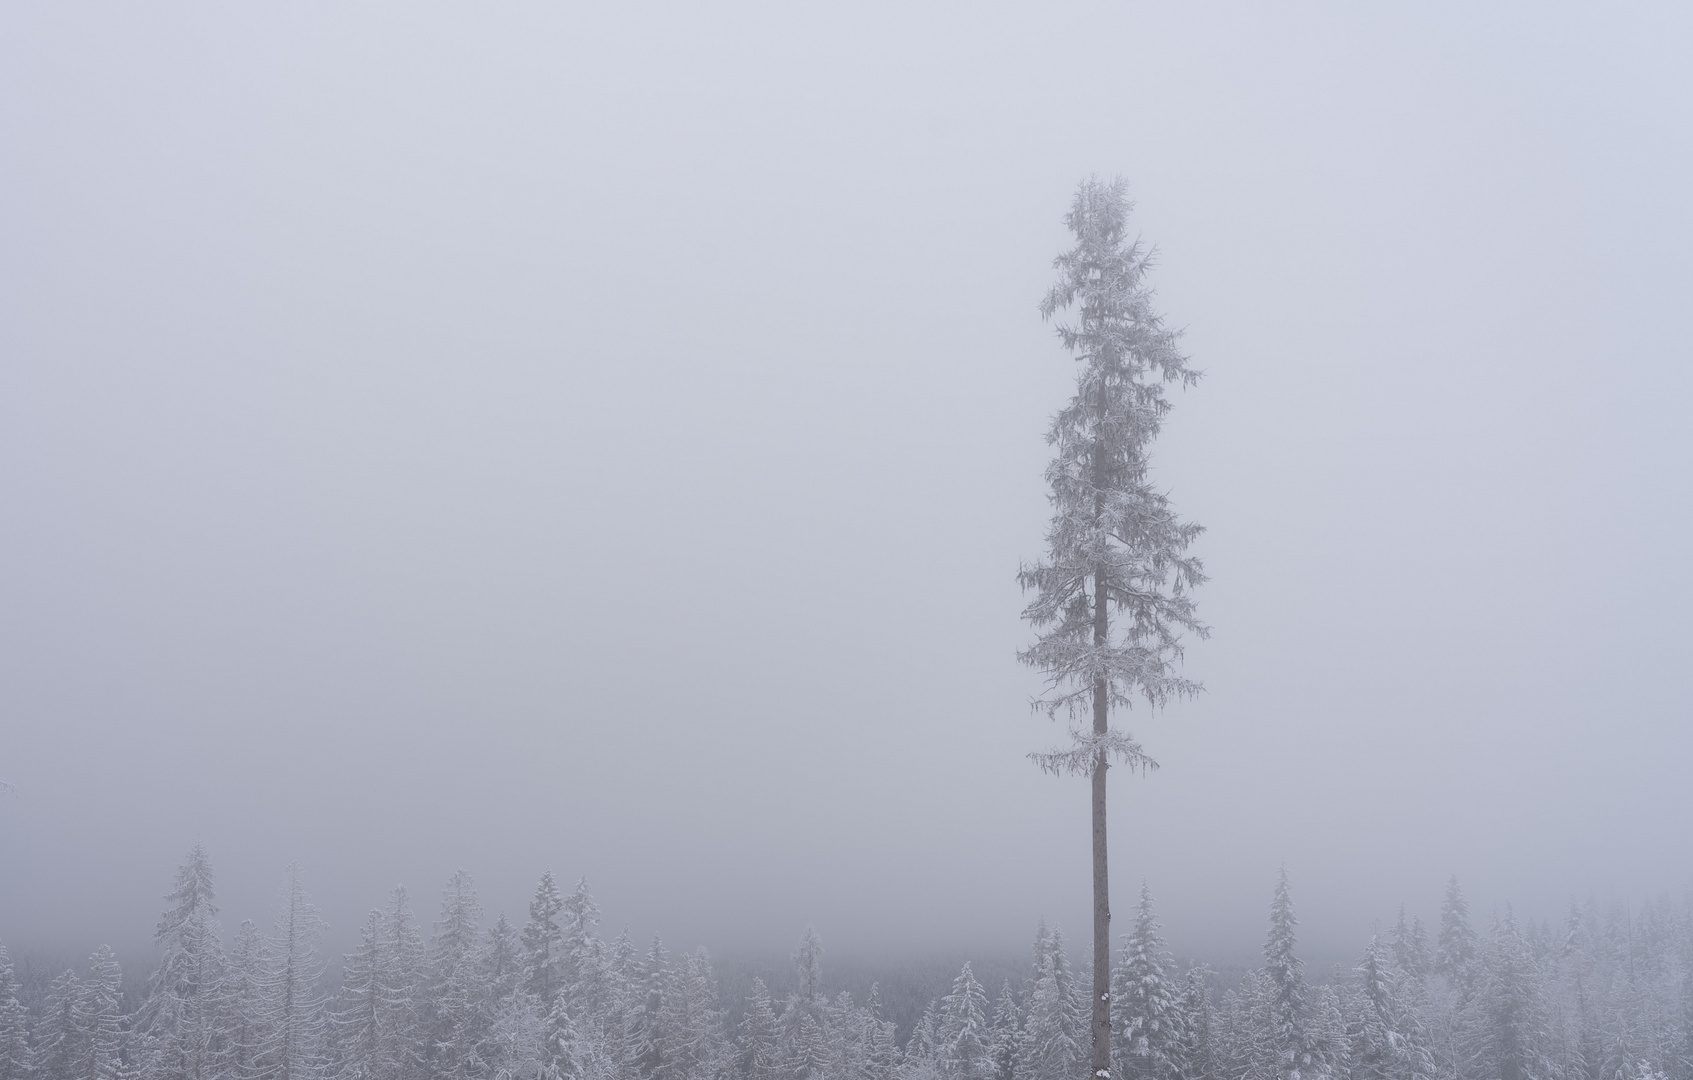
(622, 438)
(441, 992)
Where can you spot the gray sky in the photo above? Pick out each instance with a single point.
(519, 436)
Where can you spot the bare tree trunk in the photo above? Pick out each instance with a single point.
(1100, 1068)
(1101, 1062)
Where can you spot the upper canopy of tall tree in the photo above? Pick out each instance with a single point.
(1112, 530)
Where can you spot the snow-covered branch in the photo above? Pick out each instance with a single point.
(1085, 752)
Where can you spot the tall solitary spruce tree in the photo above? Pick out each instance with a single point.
(1114, 594)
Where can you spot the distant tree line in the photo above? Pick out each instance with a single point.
(1596, 998)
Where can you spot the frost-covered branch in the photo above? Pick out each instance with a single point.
(1085, 750)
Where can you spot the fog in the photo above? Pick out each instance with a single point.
(525, 436)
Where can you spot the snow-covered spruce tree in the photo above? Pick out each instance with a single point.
(1148, 1024)
(1387, 1042)
(1455, 954)
(808, 971)
(359, 1013)
(1243, 1039)
(1409, 945)
(1200, 1051)
(1072, 994)
(1113, 595)
(1370, 1028)
(583, 962)
(811, 1055)
(182, 1017)
(646, 1043)
(543, 942)
(1052, 1047)
(801, 1026)
(516, 1044)
(964, 1037)
(922, 1053)
(298, 1019)
(14, 1038)
(564, 1048)
(59, 1036)
(501, 963)
(452, 1007)
(1298, 1050)
(760, 1053)
(1510, 1029)
(699, 1046)
(246, 1003)
(1006, 1033)
(1328, 1026)
(881, 1046)
(400, 989)
(99, 1020)
(625, 1000)
(849, 1029)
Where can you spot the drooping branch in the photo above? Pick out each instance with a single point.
(1085, 748)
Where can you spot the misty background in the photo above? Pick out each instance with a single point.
(538, 436)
